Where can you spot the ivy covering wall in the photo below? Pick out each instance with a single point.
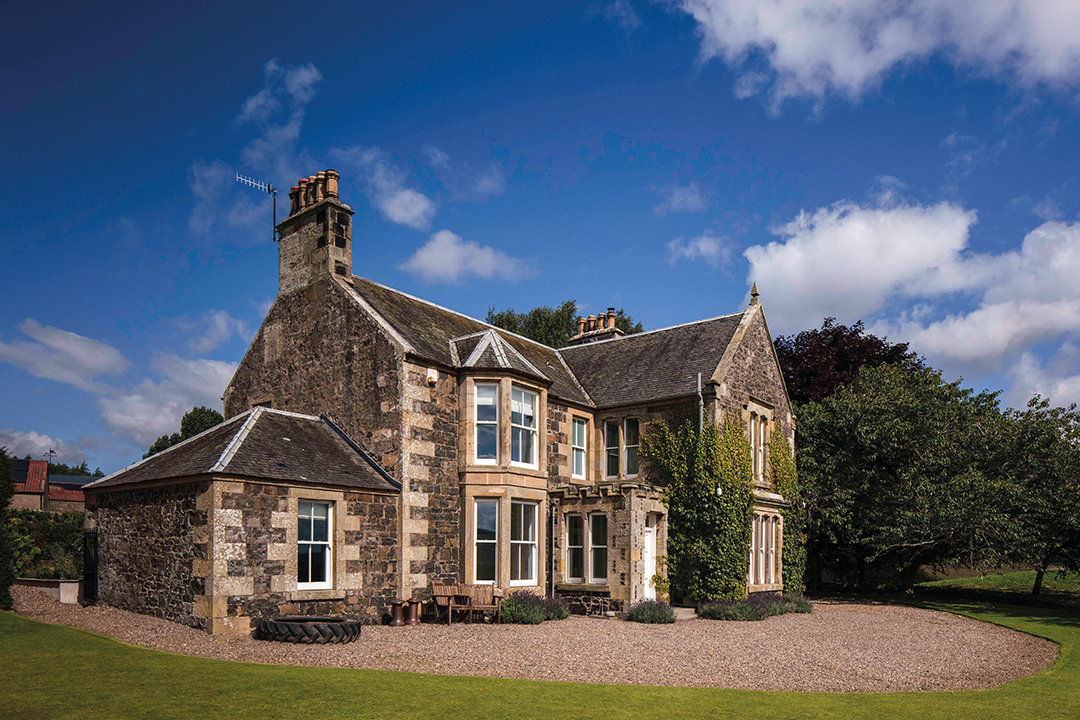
(708, 531)
(785, 481)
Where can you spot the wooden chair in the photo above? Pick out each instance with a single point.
(448, 598)
(485, 598)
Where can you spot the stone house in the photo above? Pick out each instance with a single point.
(36, 489)
(517, 463)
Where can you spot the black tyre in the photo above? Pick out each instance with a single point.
(308, 630)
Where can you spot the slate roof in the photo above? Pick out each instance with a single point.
(29, 475)
(265, 444)
(431, 332)
(654, 365)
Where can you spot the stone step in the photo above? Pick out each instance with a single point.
(684, 613)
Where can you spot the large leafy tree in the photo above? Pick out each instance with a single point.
(1043, 457)
(899, 470)
(551, 326)
(816, 362)
(7, 549)
(194, 422)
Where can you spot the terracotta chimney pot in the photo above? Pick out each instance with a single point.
(294, 200)
(592, 323)
(302, 193)
(320, 185)
(581, 325)
(310, 190)
(332, 183)
(611, 317)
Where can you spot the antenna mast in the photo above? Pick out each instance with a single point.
(269, 190)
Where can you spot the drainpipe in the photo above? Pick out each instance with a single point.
(700, 405)
(551, 549)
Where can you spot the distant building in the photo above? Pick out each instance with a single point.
(35, 489)
(517, 463)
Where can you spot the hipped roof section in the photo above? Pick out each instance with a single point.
(438, 334)
(264, 444)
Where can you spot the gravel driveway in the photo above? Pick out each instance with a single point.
(840, 647)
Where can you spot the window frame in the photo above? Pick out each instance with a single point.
(328, 544)
(579, 450)
(523, 543)
(595, 579)
(578, 548)
(612, 452)
(477, 423)
(628, 446)
(477, 542)
(522, 430)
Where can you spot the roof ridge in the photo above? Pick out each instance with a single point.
(455, 312)
(649, 332)
(238, 439)
(166, 450)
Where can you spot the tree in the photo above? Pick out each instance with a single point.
(899, 470)
(7, 549)
(815, 362)
(551, 326)
(1043, 457)
(194, 422)
(81, 469)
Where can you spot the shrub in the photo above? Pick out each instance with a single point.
(524, 608)
(651, 611)
(47, 545)
(556, 608)
(757, 607)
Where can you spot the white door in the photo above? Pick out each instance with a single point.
(648, 556)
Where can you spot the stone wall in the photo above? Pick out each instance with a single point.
(252, 566)
(318, 352)
(431, 492)
(149, 543)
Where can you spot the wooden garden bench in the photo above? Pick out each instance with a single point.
(462, 597)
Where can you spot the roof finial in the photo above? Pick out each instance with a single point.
(754, 294)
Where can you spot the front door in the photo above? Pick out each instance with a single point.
(648, 556)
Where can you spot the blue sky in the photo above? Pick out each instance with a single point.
(911, 164)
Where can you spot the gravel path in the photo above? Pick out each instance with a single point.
(840, 647)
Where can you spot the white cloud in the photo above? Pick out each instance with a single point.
(152, 409)
(681, 199)
(208, 182)
(448, 258)
(847, 261)
(1057, 380)
(385, 187)
(622, 12)
(64, 356)
(20, 444)
(464, 182)
(218, 328)
(714, 251)
(283, 86)
(815, 47)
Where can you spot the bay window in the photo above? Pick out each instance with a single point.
(487, 424)
(486, 541)
(313, 549)
(523, 427)
(522, 543)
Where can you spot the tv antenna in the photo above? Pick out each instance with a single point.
(266, 188)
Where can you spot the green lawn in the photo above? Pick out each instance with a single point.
(1058, 589)
(49, 671)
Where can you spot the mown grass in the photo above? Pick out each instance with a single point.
(1059, 589)
(49, 671)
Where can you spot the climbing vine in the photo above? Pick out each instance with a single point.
(785, 481)
(707, 480)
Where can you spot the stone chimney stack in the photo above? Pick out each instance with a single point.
(316, 238)
(596, 327)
